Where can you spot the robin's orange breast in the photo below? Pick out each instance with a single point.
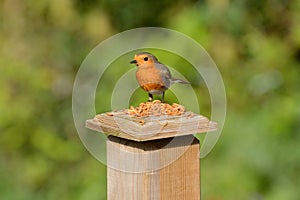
(153, 87)
(150, 78)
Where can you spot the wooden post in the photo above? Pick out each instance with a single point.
(156, 158)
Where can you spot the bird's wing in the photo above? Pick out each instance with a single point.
(164, 70)
(168, 77)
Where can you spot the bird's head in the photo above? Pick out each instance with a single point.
(144, 58)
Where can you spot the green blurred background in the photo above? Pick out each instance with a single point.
(255, 44)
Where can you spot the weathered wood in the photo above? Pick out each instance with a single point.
(165, 169)
(151, 127)
(152, 157)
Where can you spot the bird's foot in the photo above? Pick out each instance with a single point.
(150, 98)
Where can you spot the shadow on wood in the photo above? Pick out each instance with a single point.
(159, 169)
(152, 157)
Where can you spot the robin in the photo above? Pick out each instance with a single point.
(153, 76)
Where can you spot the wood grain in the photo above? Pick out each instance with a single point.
(165, 169)
(151, 127)
(152, 157)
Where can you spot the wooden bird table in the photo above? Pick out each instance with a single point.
(152, 157)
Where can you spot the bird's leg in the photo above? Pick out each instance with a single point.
(150, 97)
(163, 97)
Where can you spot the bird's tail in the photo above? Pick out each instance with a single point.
(177, 80)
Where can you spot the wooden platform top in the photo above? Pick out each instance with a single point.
(150, 127)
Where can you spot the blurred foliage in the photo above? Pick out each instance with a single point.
(256, 45)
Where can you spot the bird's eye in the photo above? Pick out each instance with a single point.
(146, 59)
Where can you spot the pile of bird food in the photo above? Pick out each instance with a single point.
(156, 108)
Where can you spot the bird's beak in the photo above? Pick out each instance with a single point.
(133, 62)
